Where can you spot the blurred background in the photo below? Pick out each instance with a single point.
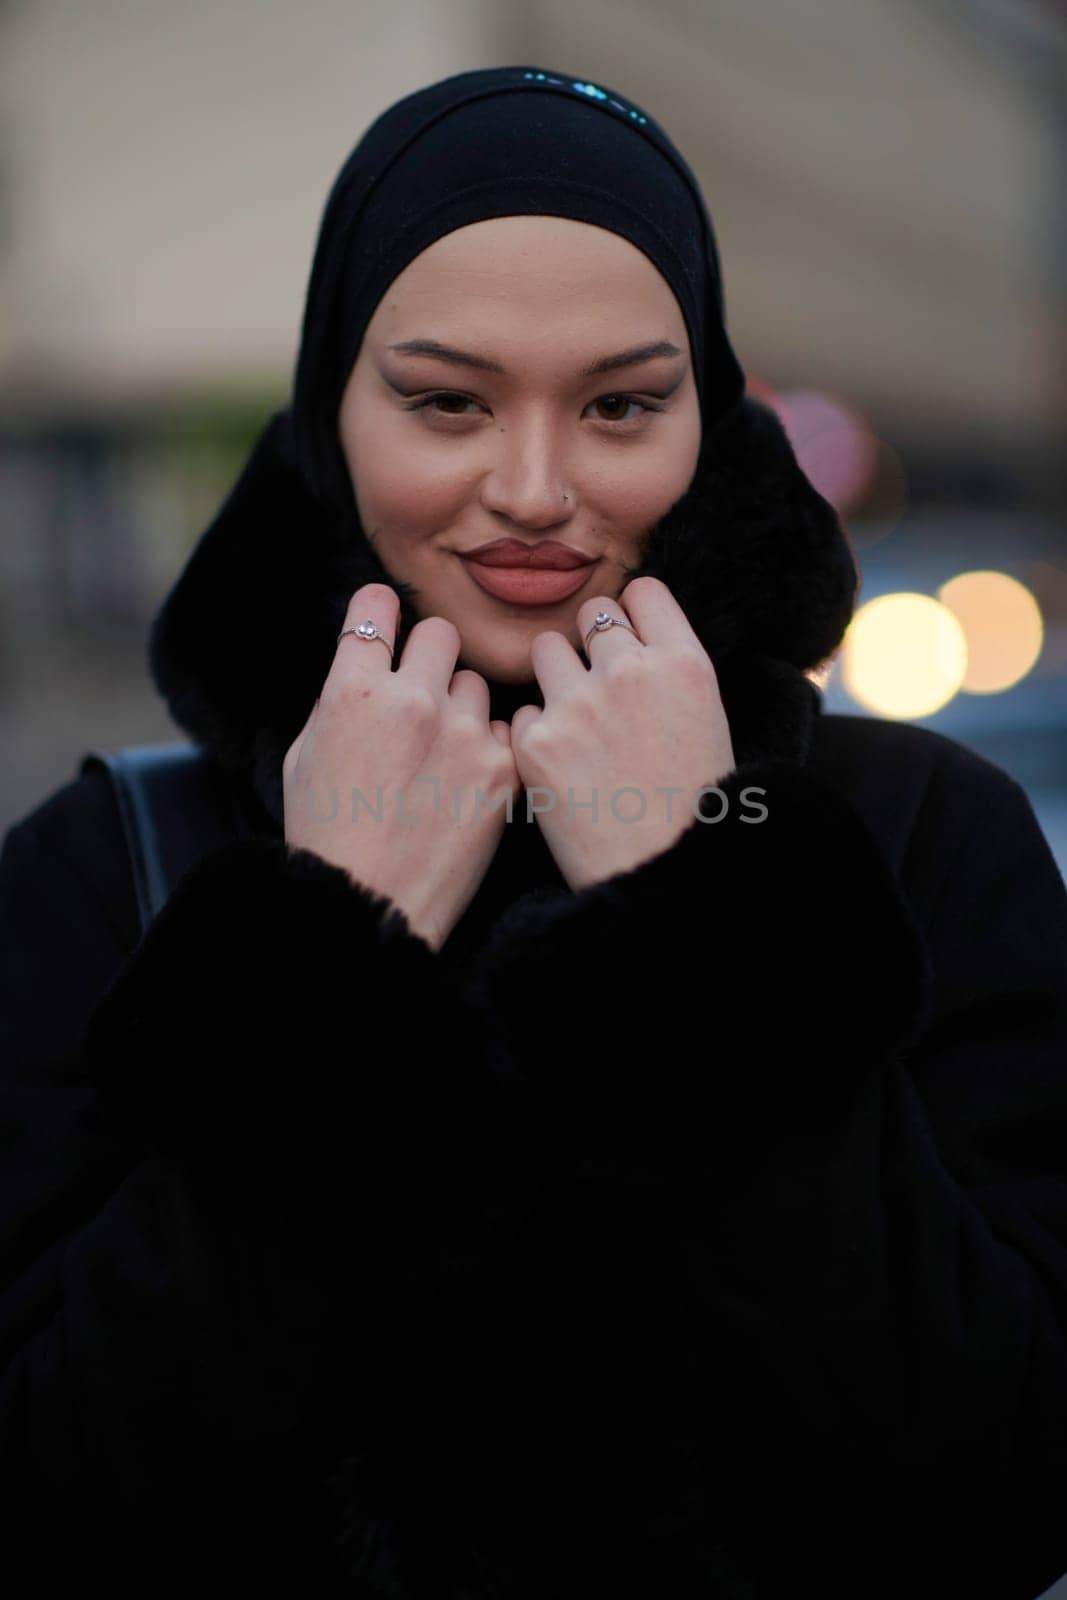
(888, 184)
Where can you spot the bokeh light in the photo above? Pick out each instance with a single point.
(836, 450)
(904, 655)
(1003, 625)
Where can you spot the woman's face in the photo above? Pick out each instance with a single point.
(520, 440)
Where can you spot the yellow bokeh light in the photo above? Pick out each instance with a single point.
(904, 655)
(1003, 626)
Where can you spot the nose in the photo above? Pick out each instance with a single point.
(526, 483)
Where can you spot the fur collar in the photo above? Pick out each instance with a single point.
(755, 556)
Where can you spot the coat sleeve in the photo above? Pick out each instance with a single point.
(275, 1117)
(843, 1118)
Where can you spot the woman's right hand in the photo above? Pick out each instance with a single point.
(421, 735)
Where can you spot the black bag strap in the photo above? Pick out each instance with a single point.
(175, 806)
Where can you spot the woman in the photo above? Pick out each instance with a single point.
(619, 1199)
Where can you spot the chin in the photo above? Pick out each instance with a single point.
(499, 669)
(502, 653)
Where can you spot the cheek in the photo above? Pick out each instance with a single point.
(637, 497)
(400, 488)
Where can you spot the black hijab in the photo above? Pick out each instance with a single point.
(755, 556)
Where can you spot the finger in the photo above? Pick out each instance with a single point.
(470, 690)
(597, 644)
(524, 717)
(376, 603)
(431, 653)
(556, 664)
(656, 614)
(291, 758)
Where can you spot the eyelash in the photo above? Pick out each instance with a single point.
(621, 426)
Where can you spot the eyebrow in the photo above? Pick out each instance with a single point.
(623, 358)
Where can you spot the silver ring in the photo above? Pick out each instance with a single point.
(367, 630)
(603, 622)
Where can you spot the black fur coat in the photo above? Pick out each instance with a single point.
(699, 1236)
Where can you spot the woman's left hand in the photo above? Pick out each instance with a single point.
(600, 762)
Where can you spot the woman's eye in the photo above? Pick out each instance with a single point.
(446, 404)
(624, 400)
(435, 399)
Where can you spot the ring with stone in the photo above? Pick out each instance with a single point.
(603, 621)
(367, 630)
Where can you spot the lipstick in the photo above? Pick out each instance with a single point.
(528, 586)
(528, 575)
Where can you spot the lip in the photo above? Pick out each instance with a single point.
(526, 585)
(547, 554)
